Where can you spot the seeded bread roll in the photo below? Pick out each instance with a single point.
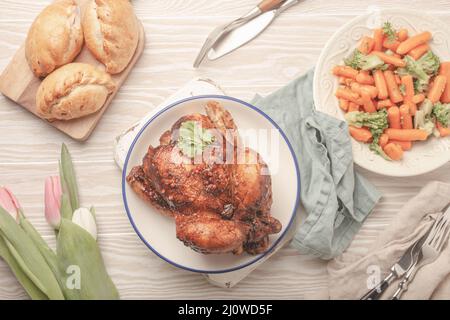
(73, 91)
(111, 31)
(55, 37)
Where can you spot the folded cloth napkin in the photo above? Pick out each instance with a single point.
(352, 275)
(335, 197)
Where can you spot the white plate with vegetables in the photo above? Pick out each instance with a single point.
(387, 73)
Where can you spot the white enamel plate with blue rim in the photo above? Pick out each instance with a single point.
(158, 231)
(424, 156)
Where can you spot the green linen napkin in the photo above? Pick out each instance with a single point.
(336, 198)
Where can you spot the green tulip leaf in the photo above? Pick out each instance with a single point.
(66, 207)
(67, 176)
(29, 257)
(48, 254)
(32, 290)
(81, 265)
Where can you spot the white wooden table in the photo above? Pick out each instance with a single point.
(175, 32)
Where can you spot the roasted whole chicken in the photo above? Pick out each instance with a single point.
(218, 192)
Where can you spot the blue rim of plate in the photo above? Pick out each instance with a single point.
(124, 175)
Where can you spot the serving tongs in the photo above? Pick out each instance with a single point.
(216, 34)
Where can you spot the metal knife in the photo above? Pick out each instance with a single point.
(406, 262)
(246, 32)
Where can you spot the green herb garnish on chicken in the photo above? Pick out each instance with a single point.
(442, 113)
(193, 139)
(359, 61)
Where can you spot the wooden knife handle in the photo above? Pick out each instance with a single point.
(267, 5)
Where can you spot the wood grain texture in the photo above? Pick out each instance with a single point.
(175, 31)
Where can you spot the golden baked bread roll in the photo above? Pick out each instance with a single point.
(111, 32)
(55, 37)
(73, 91)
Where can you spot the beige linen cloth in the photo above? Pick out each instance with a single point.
(351, 275)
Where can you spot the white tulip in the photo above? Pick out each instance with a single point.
(84, 218)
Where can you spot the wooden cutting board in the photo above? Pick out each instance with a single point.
(19, 84)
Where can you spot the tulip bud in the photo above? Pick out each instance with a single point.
(84, 218)
(53, 193)
(9, 202)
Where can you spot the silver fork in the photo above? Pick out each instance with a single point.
(432, 247)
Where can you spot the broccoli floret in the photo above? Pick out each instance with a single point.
(442, 113)
(422, 119)
(421, 70)
(375, 147)
(421, 86)
(359, 61)
(415, 69)
(376, 122)
(389, 31)
(430, 63)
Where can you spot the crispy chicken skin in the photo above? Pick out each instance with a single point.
(217, 207)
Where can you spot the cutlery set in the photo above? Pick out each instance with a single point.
(227, 38)
(425, 251)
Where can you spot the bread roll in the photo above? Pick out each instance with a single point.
(111, 32)
(73, 91)
(55, 37)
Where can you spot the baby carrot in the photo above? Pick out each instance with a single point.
(384, 138)
(343, 104)
(412, 107)
(394, 117)
(398, 80)
(381, 85)
(406, 145)
(391, 44)
(358, 88)
(367, 102)
(347, 94)
(402, 35)
(444, 132)
(408, 83)
(378, 37)
(353, 107)
(345, 71)
(419, 51)
(437, 89)
(366, 45)
(418, 98)
(407, 134)
(445, 71)
(390, 59)
(407, 122)
(384, 104)
(413, 42)
(364, 78)
(393, 151)
(360, 134)
(394, 91)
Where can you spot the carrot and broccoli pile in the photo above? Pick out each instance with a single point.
(394, 91)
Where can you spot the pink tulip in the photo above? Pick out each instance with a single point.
(9, 202)
(53, 193)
